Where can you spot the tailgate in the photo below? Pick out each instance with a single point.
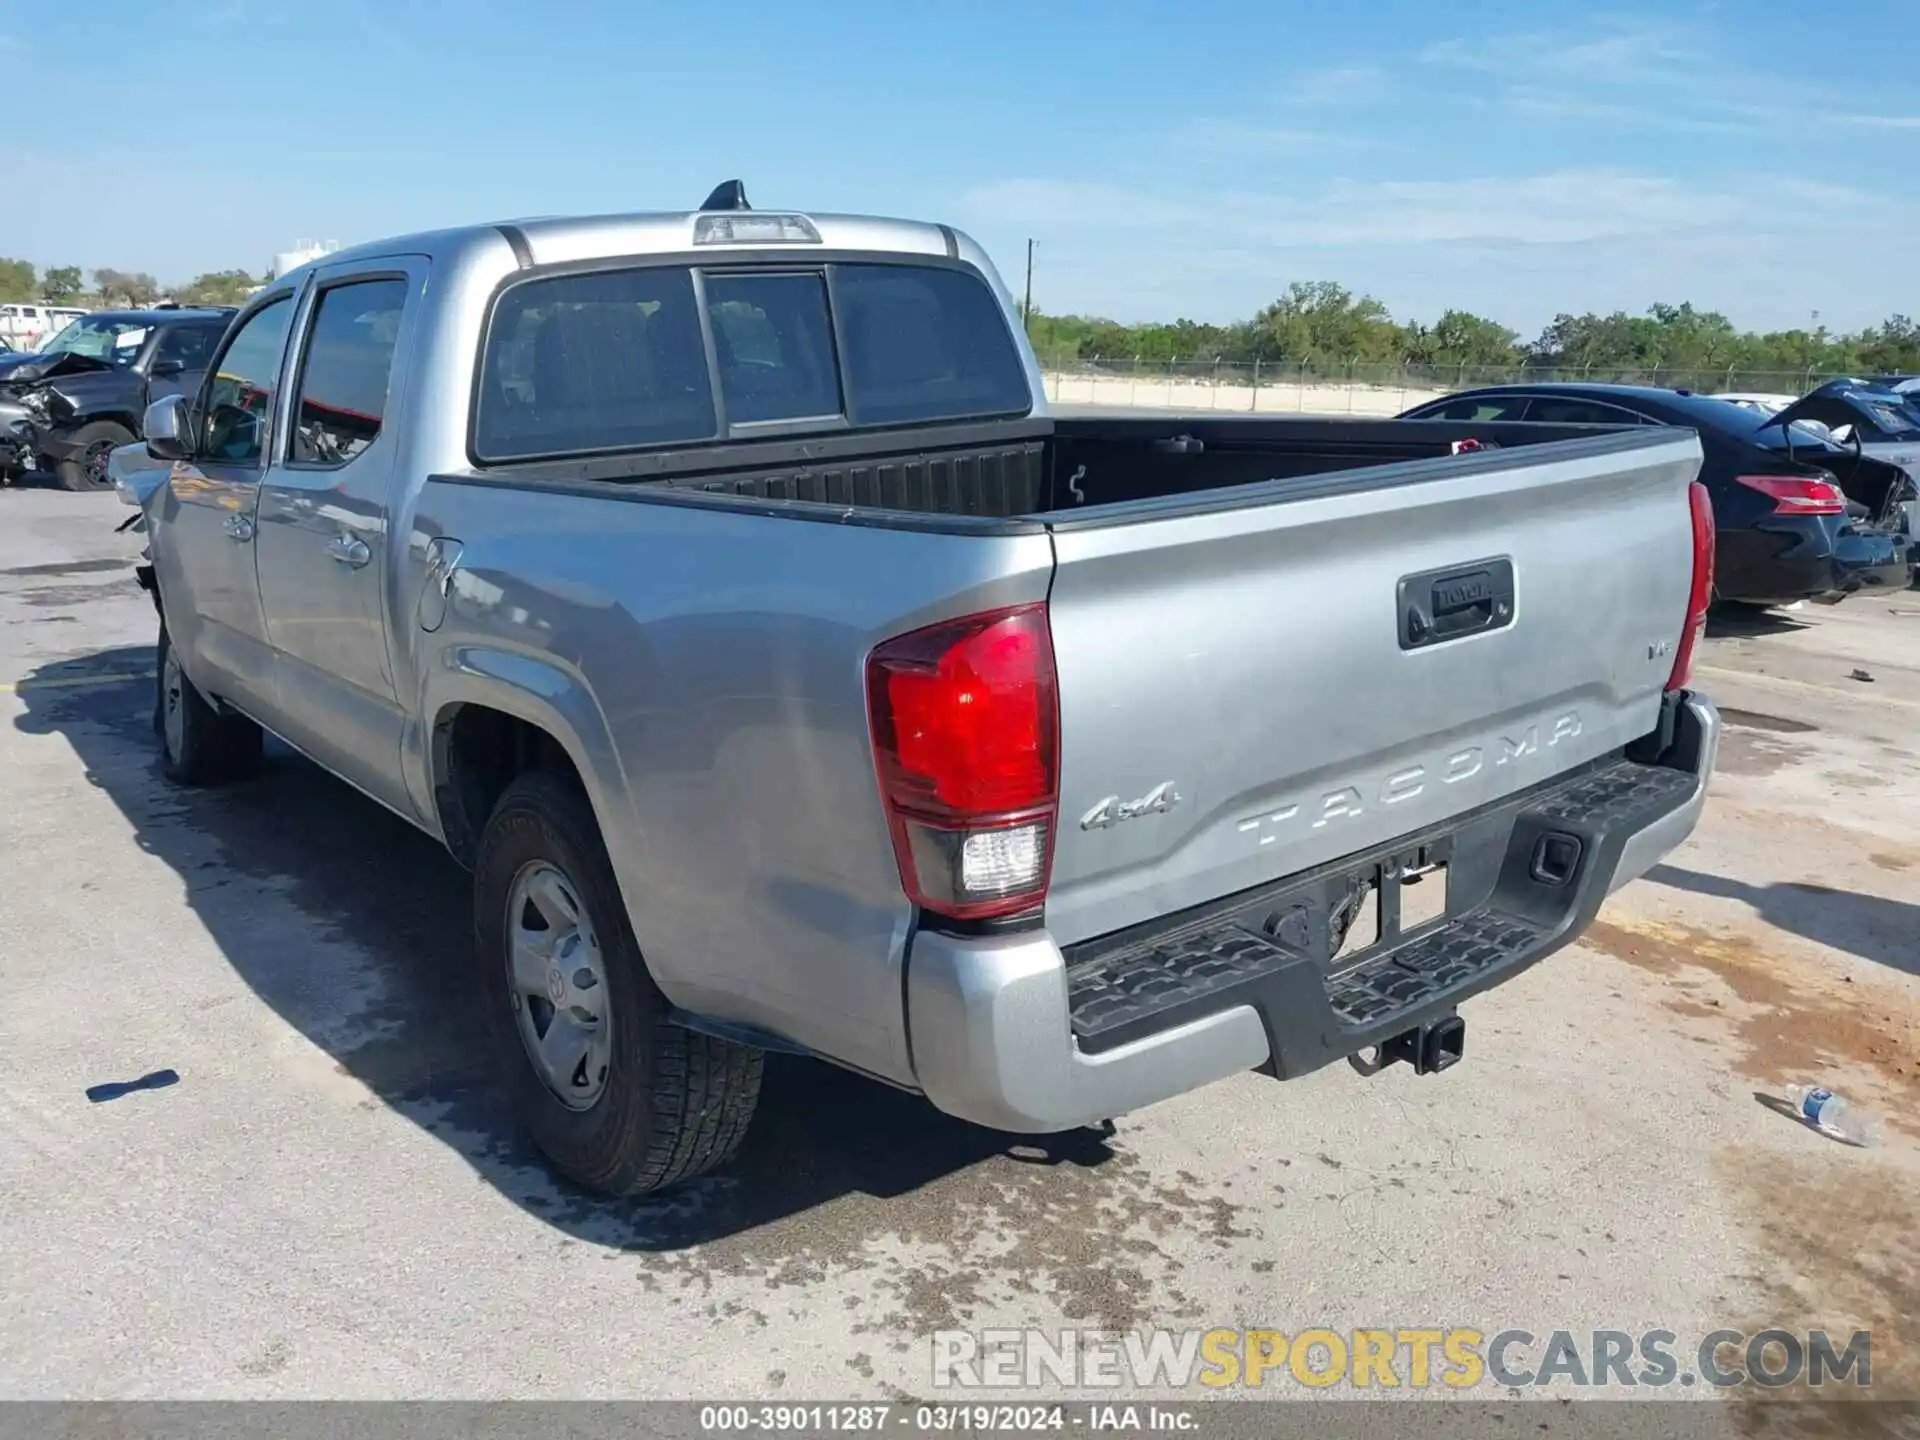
(1243, 694)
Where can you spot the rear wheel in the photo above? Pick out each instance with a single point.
(199, 745)
(95, 443)
(621, 1100)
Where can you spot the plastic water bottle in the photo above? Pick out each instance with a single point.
(1827, 1112)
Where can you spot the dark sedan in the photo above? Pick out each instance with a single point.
(1787, 529)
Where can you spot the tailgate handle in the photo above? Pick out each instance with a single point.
(1441, 605)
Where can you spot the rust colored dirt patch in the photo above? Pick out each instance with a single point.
(1792, 1026)
(1840, 1253)
(1896, 859)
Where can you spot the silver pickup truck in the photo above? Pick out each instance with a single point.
(717, 587)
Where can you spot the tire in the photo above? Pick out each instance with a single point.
(666, 1103)
(96, 442)
(198, 744)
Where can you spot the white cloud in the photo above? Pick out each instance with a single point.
(1555, 208)
(1625, 50)
(1875, 122)
(1677, 179)
(1648, 75)
(1209, 139)
(1715, 213)
(1541, 103)
(1336, 85)
(1517, 248)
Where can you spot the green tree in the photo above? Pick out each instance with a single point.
(1059, 337)
(1460, 338)
(60, 284)
(1324, 326)
(109, 285)
(1322, 323)
(17, 280)
(218, 287)
(131, 287)
(1892, 348)
(1594, 343)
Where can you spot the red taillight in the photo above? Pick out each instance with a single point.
(966, 735)
(1701, 595)
(1794, 495)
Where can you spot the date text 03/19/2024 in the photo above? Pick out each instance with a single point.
(961, 1417)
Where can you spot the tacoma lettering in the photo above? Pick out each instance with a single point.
(1412, 781)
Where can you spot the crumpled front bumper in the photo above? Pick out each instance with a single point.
(1009, 1032)
(19, 434)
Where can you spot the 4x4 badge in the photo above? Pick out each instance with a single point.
(1112, 810)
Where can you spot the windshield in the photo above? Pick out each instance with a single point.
(1895, 419)
(115, 341)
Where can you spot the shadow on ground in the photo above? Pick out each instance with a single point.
(1884, 931)
(282, 869)
(1730, 620)
(32, 480)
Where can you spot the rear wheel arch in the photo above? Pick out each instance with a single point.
(479, 749)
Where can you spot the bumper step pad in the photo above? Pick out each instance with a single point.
(1271, 948)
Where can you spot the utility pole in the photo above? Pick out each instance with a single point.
(1026, 313)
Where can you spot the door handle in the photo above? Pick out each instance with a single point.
(240, 527)
(349, 551)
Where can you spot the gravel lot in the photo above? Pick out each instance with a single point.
(329, 1202)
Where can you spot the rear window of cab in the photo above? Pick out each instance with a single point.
(585, 363)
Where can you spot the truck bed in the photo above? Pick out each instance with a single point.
(1042, 468)
(1279, 644)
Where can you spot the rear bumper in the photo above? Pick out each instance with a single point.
(1008, 1031)
(1873, 560)
(1805, 557)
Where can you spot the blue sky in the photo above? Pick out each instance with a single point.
(1172, 157)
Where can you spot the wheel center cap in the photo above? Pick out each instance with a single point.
(556, 986)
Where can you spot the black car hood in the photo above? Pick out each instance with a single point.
(29, 368)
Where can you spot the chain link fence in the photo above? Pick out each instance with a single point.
(1359, 387)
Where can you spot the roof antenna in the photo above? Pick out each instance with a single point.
(732, 195)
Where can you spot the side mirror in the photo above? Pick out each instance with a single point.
(167, 429)
(162, 369)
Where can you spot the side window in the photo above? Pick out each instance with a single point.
(340, 398)
(579, 363)
(925, 344)
(774, 345)
(190, 345)
(238, 408)
(1580, 412)
(1483, 408)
